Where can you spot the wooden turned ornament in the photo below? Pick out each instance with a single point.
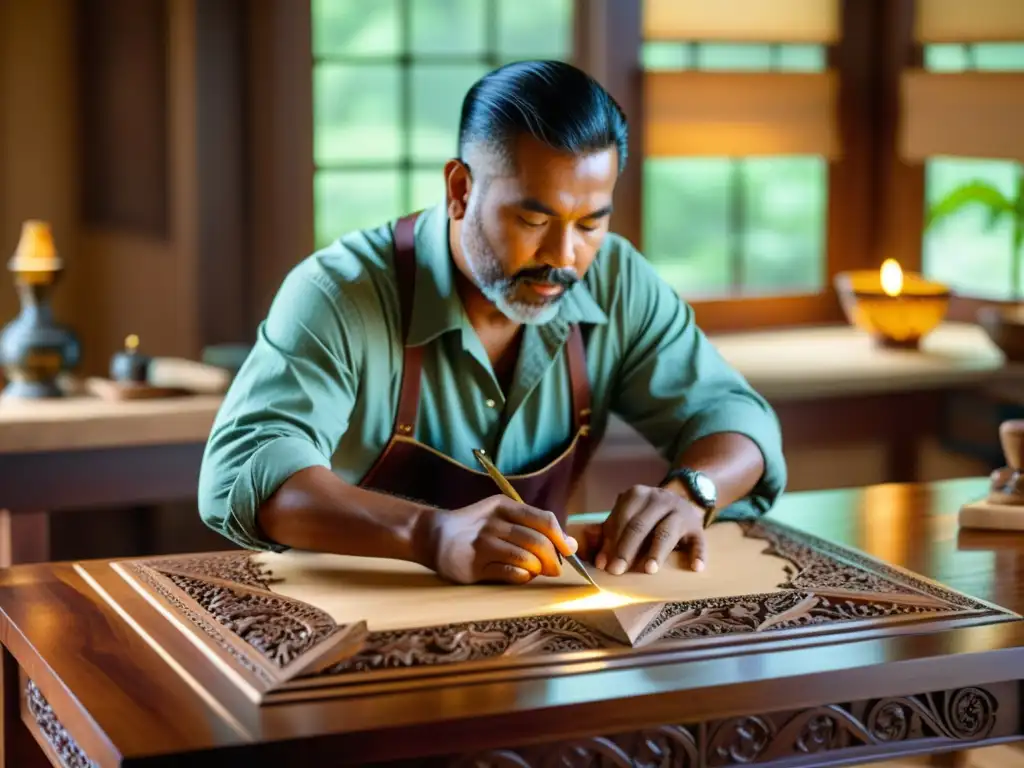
(1007, 483)
(1003, 507)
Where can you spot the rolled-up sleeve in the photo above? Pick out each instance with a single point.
(287, 408)
(675, 388)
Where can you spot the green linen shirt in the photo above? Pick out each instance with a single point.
(320, 386)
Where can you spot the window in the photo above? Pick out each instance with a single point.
(736, 226)
(968, 250)
(389, 77)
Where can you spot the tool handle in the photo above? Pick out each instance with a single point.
(503, 484)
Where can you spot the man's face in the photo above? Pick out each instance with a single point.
(529, 234)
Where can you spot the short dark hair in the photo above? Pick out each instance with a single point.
(552, 101)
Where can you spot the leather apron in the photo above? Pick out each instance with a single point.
(414, 470)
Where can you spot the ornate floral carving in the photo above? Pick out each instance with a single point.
(964, 714)
(820, 564)
(237, 567)
(769, 737)
(817, 735)
(669, 745)
(890, 721)
(279, 628)
(471, 641)
(827, 584)
(63, 746)
(970, 713)
(741, 741)
(758, 613)
(203, 621)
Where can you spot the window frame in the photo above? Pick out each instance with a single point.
(908, 192)
(405, 61)
(966, 304)
(862, 183)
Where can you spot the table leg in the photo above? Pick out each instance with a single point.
(17, 747)
(24, 537)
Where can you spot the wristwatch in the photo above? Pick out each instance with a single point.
(700, 487)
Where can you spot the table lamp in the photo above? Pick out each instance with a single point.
(34, 349)
(896, 308)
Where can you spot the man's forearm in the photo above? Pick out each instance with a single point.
(315, 510)
(732, 461)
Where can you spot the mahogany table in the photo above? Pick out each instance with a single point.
(96, 674)
(107, 455)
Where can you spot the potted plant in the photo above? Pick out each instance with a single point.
(1004, 323)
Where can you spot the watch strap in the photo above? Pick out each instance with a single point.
(688, 477)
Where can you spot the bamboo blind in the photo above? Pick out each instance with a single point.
(739, 114)
(966, 114)
(966, 21)
(762, 21)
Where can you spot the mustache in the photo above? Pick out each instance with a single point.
(564, 277)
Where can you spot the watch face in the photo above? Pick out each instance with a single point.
(705, 487)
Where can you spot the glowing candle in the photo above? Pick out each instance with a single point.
(891, 275)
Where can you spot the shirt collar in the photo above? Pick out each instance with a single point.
(437, 307)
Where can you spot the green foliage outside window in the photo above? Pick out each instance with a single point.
(973, 238)
(389, 77)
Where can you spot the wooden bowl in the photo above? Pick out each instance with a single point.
(1004, 324)
(893, 321)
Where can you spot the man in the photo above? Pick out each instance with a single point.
(508, 320)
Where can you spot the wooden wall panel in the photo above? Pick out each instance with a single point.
(223, 172)
(38, 126)
(281, 145)
(138, 239)
(7, 299)
(123, 81)
(149, 199)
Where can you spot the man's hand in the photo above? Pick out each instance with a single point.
(644, 527)
(498, 539)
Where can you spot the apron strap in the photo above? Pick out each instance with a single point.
(412, 363)
(579, 381)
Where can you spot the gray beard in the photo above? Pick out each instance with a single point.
(491, 279)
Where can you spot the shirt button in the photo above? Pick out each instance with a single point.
(489, 403)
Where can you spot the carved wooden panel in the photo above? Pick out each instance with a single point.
(278, 648)
(123, 114)
(833, 733)
(873, 729)
(63, 746)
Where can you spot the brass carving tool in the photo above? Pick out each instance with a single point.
(508, 490)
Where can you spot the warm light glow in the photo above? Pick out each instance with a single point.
(131, 342)
(892, 277)
(36, 251)
(597, 601)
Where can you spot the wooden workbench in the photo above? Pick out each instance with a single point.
(924, 655)
(83, 453)
(851, 413)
